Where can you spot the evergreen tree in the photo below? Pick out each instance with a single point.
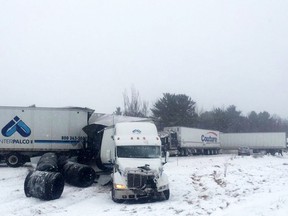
(175, 110)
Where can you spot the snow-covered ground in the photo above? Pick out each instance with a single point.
(200, 185)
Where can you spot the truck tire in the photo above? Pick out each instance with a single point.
(14, 160)
(48, 162)
(44, 185)
(78, 175)
(166, 194)
(113, 197)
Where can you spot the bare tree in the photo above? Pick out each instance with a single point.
(134, 106)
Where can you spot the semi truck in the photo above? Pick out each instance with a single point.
(184, 141)
(266, 142)
(130, 152)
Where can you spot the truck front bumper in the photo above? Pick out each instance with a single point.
(127, 194)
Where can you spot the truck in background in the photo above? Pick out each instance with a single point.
(185, 141)
(32, 131)
(266, 142)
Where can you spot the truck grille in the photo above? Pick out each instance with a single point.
(138, 181)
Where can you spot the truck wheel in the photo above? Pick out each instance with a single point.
(166, 194)
(115, 199)
(14, 160)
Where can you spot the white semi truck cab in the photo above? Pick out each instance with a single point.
(134, 149)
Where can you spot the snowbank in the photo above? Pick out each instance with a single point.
(218, 185)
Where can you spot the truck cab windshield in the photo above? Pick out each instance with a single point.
(138, 151)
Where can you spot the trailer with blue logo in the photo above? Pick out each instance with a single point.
(185, 141)
(32, 131)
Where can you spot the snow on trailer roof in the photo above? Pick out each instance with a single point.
(110, 119)
(99, 121)
(49, 108)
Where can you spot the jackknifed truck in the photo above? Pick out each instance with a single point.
(129, 151)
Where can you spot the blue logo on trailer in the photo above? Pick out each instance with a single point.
(16, 124)
(209, 137)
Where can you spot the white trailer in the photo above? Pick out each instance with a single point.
(266, 142)
(184, 141)
(32, 131)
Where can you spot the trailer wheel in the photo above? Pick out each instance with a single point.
(14, 160)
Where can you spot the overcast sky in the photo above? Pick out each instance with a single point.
(86, 53)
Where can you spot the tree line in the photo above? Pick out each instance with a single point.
(181, 110)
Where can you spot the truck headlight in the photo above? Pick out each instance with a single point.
(120, 186)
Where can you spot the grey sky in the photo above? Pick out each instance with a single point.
(86, 53)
